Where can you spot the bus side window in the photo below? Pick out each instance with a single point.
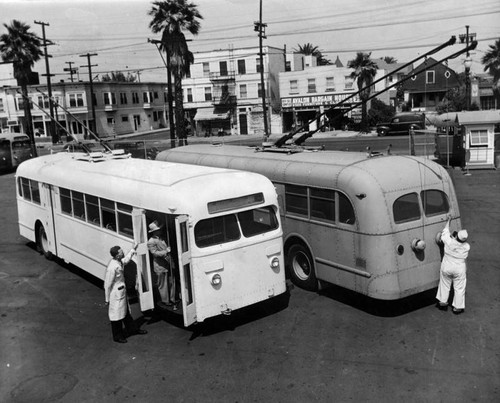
(25, 183)
(124, 212)
(108, 214)
(296, 199)
(435, 202)
(78, 205)
(65, 197)
(19, 187)
(92, 207)
(322, 204)
(406, 208)
(35, 191)
(346, 210)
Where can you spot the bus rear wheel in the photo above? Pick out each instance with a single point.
(42, 242)
(302, 268)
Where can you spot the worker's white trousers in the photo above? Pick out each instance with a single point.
(455, 275)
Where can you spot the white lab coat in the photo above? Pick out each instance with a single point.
(114, 287)
(453, 269)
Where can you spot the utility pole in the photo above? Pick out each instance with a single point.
(71, 70)
(93, 126)
(52, 124)
(169, 92)
(260, 28)
(467, 64)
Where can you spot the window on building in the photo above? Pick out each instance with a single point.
(241, 67)
(155, 95)
(111, 121)
(288, 66)
(124, 118)
(146, 97)
(43, 102)
(348, 83)
(94, 98)
(430, 77)
(259, 90)
(257, 65)
(1, 105)
(75, 100)
(109, 98)
(135, 97)
(189, 94)
(311, 85)
(330, 84)
(223, 68)
(294, 86)
(123, 98)
(206, 69)
(208, 93)
(243, 91)
(479, 137)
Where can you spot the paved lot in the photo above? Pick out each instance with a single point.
(55, 340)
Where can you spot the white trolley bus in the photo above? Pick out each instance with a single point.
(223, 225)
(368, 224)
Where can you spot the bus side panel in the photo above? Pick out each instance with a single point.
(247, 278)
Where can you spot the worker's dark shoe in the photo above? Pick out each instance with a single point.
(442, 307)
(458, 311)
(120, 340)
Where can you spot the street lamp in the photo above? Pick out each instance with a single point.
(467, 65)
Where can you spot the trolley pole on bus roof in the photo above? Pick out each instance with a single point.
(259, 27)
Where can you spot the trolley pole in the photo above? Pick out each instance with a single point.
(52, 124)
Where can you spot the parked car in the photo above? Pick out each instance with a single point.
(92, 146)
(401, 123)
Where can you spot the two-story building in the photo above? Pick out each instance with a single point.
(311, 90)
(119, 107)
(427, 87)
(223, 91)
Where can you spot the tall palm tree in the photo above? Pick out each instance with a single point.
(171, 18)
(491, 61)
(310, 49)
(364, 73)
(23, 49)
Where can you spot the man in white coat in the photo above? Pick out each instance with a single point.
(116, 296)
(453, 269)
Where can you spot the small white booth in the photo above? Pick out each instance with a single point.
(478, 129)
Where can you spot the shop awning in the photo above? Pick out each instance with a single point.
(211, 114)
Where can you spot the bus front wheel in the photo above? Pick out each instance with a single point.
(42, 242)
(302, 267)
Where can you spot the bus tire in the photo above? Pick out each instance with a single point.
(42, 242)
(301, 267)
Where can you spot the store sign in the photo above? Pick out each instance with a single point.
(318, 100)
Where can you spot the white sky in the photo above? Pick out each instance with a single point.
(117, 30)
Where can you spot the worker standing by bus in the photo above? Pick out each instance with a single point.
(116, 296)
(453, 269)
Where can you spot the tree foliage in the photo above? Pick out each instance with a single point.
(491, 62)
(171, 18)
(365, 70)
(310, 49)
(23, 48)
(379, 112)
(118, 76)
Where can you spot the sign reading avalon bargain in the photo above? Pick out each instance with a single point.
(317, 100)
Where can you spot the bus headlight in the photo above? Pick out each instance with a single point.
(216, 280)
(275, 263)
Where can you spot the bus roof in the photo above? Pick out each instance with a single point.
(329, 169)
(153, 185)
(13, 136)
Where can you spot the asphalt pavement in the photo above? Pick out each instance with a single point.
(332, 346)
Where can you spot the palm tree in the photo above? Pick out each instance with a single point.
(364, 72)
(491, 61)
(22, 48)
(171, 18)
(310, 49)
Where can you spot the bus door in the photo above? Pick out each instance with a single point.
(185, 270)
(145, 287)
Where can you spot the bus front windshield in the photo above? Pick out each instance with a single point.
(223, 229)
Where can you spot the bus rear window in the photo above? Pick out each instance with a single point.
(406, 208)
(215, 231)
(257, 221)
(435, 202)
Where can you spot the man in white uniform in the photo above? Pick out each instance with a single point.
(453, 269)
(116, 296)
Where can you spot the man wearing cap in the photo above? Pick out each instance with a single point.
(161, 265)
(116, 296)
(453, 269)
